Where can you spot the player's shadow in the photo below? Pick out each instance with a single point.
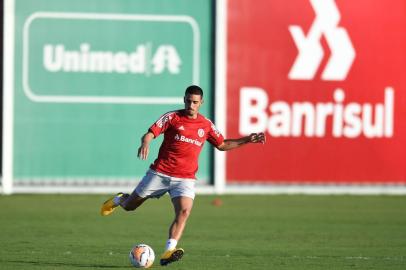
(80, 265)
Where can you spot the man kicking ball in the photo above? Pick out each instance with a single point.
(185, 132)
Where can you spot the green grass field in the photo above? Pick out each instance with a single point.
(246, 232)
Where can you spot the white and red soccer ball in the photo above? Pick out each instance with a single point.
(142, 256)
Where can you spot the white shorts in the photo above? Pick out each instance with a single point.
(155, 185)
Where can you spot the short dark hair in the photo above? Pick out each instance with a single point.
(194, 90)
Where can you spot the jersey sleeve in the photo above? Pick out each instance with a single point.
(162, 124)
(214, 136)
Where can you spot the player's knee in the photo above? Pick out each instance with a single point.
(184, 213)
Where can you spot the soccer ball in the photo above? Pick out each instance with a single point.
(142, 256)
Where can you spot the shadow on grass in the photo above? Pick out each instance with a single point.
(67, 264)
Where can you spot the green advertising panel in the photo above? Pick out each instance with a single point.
(92, 76)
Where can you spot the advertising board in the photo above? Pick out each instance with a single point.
(325, 80)
(89, 77)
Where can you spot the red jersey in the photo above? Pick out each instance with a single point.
(183, 140)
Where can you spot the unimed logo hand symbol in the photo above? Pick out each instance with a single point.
(311, 52)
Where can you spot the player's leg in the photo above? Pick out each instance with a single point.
(132, 202)
(183, 207)
(151, 186)
(182, 199)
(126, 201)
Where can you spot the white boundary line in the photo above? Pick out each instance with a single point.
(318, 189)
(237, 189)
(220, 92)
(114, 17)
(91, 190)
(8, 98)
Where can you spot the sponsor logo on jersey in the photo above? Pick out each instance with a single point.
(181, 138)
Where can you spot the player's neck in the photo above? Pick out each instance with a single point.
(190, 116)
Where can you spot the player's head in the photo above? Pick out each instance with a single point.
(193, 100)
(194, 90)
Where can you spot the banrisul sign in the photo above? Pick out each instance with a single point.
(91, 77)
(326, 83)
(350, 119)
(86, 48)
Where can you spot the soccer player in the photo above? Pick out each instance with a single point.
(185, 132)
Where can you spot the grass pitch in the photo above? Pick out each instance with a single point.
(246, 232)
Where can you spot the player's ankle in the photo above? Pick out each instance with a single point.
(171, 244)
(120, 198)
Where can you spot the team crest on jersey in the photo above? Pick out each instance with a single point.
(200, 132)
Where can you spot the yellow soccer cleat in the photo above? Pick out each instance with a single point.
(109, 206)
(171, 256)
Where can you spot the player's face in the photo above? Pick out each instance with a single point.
(192, 104)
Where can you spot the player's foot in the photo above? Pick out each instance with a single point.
(110, 205)
(171, 256)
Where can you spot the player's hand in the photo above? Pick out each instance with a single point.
(143, 151)
(257, 137)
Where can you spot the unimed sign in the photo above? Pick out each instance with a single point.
(91, 77)
(325, 80)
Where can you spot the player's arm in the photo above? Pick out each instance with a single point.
(143, 150)
(157, 128)
(229, 144)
